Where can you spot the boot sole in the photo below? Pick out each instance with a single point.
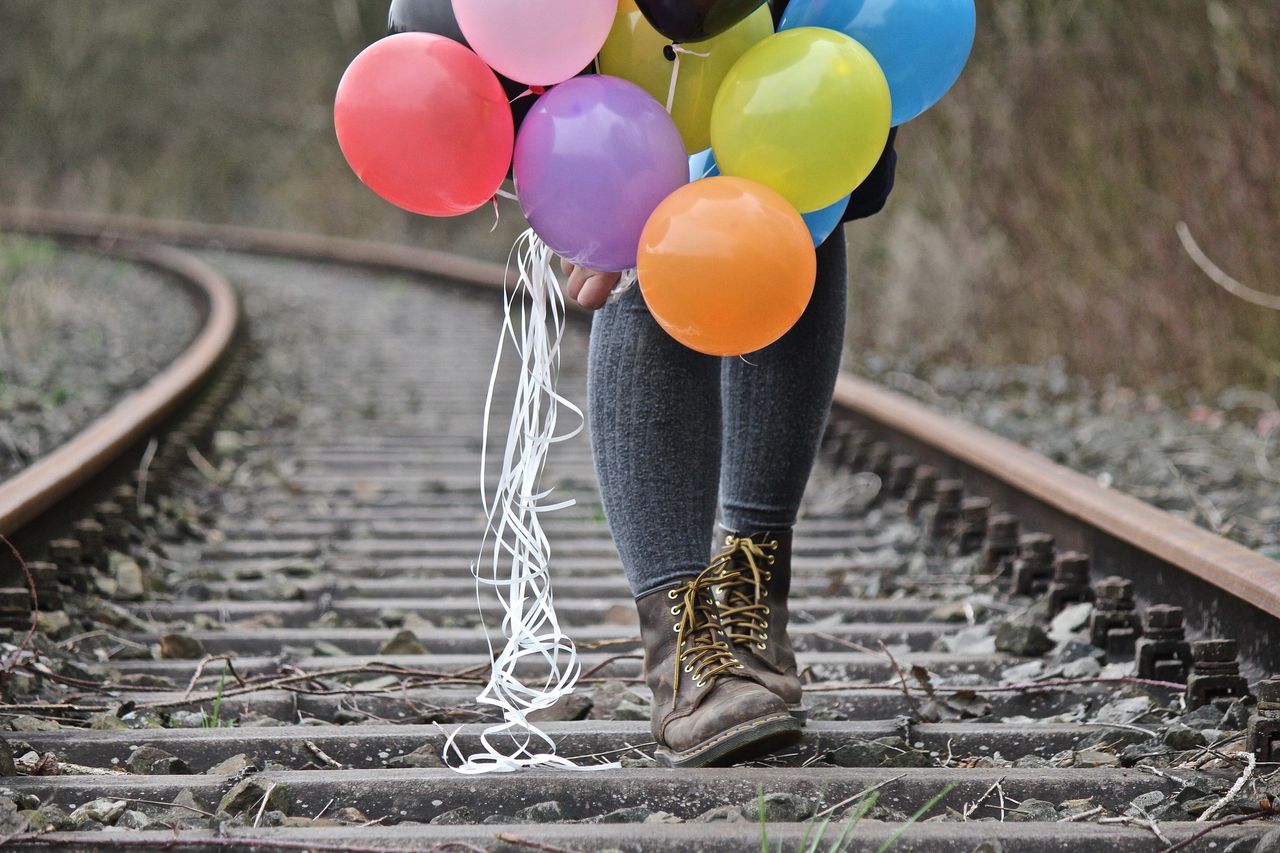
(742, 742)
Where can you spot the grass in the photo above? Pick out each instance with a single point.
(815, 834)
(214, 720)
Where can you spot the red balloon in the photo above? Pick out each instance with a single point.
(425, 124)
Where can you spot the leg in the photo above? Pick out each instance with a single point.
(775, 407)
(654, 407)
(655, 432)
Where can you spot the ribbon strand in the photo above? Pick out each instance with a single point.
(514, 550)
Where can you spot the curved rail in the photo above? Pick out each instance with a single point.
(1125, 531)
(52, 477)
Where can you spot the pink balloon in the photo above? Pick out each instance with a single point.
(538, 42)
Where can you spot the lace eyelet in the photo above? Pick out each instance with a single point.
(766, 611)
(761, 646)
(675, 611)
(689, 668)
(671, 594)
(675, 629)
(770, 559)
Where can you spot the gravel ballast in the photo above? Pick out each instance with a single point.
(1212, 460)
(78, 332)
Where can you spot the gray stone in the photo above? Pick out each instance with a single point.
(638, 761)
(235, 765)
(630, 814)
(1236, 717)
(1095, 758)
(1182, 738)
(351, 814)
(1127, 711)
(454, 817)
(1072, 618)
(186, 720)
(1033, 810)
(250, 793)
(180, 647)
(1170, 811)
(1151, 753)
(1145, 802)
(325, 649)
(150, 761)
(423, 756)
(11, 820)
(403, 643)
(548, 812)
(391, 617)
(1204, 717)
(1022, 638)
(23, 723)
(779, 808)
(130, 584)
(631, 711)
(143, 719)
(103, 811)
(1082, 668)
(53, 623)
(1112, 739)
(575, 706)
(106, 721)
(722, 814)
(1032, 761)
(499, 819)
(663, 817)
(881, 752)
(133, 819)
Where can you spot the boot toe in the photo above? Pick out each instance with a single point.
(737, 718)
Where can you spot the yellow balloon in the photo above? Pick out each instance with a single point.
(804, 112)
(634, 51)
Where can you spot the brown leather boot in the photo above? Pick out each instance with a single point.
(707, 709)
(755, 580)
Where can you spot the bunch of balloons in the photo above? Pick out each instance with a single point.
(709, 152)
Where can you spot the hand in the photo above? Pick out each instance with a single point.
(588, 288)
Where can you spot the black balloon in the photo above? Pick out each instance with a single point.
(695, 20)
(436, 16)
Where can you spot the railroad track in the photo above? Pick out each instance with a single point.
(318, 598)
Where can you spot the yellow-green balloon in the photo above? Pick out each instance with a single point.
(634, 51)
(805, 112)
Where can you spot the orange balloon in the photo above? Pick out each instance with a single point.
(726, 265)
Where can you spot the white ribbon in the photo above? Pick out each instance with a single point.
(675, 70)
(515, 549)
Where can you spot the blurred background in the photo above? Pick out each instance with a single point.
(1034, 215)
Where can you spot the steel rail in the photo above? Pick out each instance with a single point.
(57, 474)
(1181, 561)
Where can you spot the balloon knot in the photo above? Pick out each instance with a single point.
(669, 52)
(538, 90)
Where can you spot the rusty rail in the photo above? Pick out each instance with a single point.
(1182, 560)
(26, 495)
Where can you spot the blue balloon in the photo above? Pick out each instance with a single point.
(821, 222)
(922, 45)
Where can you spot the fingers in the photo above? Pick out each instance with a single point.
(596, 289)
(588, 288)
(577, 278)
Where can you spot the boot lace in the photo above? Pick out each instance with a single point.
(701, 649)
(742, 569)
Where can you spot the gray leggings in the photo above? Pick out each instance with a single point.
(670, 427)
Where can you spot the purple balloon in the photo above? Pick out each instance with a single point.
(594, 157)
